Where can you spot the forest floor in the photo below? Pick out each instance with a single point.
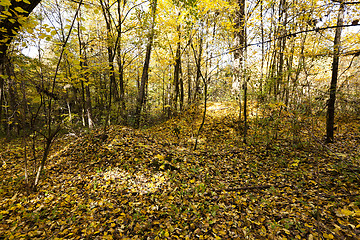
(150, 184)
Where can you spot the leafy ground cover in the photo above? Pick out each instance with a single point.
(146, 184)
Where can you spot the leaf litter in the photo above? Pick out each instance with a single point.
(149, 184)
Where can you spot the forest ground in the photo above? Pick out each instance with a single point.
(145, 184)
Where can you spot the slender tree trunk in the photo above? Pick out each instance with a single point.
(281, 48)
(88, 106)
(181, 83)
(49, 141)
(51, 133)
(204, 113)
(188, 81)
(245, 111)
(301, 65)
(262, 46)
(13, 98)
(2, 93)
(83, 117)
(122, 89)
(334, 78)
(24, 132)
(177, 67)
(111, 49)
(240, 54)
(145, 73)
(121, 67)
(205, 96)
(85, 88)
(198, 70)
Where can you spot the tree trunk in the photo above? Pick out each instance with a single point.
(122, 89)
(198, 70)
(245, 111)
(111, 49)
(262, 47)
(121, 67)
(181, 83)
(13, 98)
(145, 72)
(89, 107)
(240, 41)
(334, 77)
(188, 80)
(85, 88)
(177, 67)
(2, 94)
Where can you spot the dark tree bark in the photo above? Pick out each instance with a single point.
(1, 98)
(145, 73)
(13, 96)
(281, 46)
(188, 81)
(121, 66)
(240, 54)
(122, 88)
(262, 47)
(111, 49)
(177, 68)
(181, 83)
(245, 111)
(334, 77)
(198, 70)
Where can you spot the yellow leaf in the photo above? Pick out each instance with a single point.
(357, 213)
(5, 3)
(7, 13)
(160, 157)
(20, 10)
(307, 225)
(328, 236)
(286, 231)
(344, 213)
(166, 234)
